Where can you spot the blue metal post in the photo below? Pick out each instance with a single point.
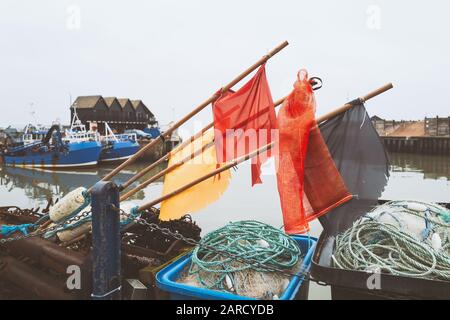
(106, 256)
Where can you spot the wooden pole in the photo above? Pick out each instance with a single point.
(199, 108)
(205, 177)
(165, 171)
(165, 157)
(348, 105)
(323, 118)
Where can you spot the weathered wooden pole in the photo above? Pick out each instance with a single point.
(174, 166)
(229, 165)
(277, 103)
(199, 108)
(349, 105)
(165, 157)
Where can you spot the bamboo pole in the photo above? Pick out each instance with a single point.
(205, 177)
(199, 108)
(349, 105)
(154, 178)
(172, 167)
(165, 171)
(147, 169)
(227, 166)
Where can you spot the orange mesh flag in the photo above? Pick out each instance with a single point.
(190, 169)
(309, 183)
(245, 121)
(295, 120)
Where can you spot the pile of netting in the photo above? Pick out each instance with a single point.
(247, 258)
(404, 238)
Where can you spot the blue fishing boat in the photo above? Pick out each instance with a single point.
(118, 147)
(53, 152)
(115, 148)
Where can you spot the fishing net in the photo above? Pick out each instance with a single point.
(243, 260)
(403, 238)
(295, 120)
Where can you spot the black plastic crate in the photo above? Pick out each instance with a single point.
(348, 284)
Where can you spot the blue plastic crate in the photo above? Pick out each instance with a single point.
(167, 277)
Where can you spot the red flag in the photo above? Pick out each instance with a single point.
(309, 184)
(244, 121)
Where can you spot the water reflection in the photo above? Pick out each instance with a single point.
(432, 167)
(418, 177)
(40, 185)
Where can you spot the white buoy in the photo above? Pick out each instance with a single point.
(70, 234)
(436, 241)
(73, 201)
(418, 207)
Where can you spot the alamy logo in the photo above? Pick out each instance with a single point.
(374, 280)
(373, 21)
(73, 21)
(74, 280)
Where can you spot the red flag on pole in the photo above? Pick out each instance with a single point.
(309, 184)
(244, 122)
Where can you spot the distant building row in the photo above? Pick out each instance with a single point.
(429, 127)
(120, 114)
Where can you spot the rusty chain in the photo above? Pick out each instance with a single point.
(167, 232)
(56, 228)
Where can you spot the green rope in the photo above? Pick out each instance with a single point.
(373, 244)
(251, 240)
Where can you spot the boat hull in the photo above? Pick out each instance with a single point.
(79, 154)
(119, 151)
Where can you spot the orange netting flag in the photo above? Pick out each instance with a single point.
(191, 168)
(309, 184)
(245, 121)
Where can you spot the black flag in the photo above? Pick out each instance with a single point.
(362, 161)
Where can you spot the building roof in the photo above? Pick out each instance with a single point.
(135, 103)
(109, 100)
(376, 118)
(89, 102)
(86, 102)
(123, 102)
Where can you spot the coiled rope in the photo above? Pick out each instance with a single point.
(257, 241)
(390, 247)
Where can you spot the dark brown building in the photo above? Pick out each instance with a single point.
(120, 114)
(142, 112)
(115, 110)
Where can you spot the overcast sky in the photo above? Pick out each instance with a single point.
(175, 54)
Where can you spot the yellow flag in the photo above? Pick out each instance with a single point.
(202, 194)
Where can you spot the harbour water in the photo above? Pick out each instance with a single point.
(413, 176)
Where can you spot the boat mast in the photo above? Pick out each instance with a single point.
(109, 133)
